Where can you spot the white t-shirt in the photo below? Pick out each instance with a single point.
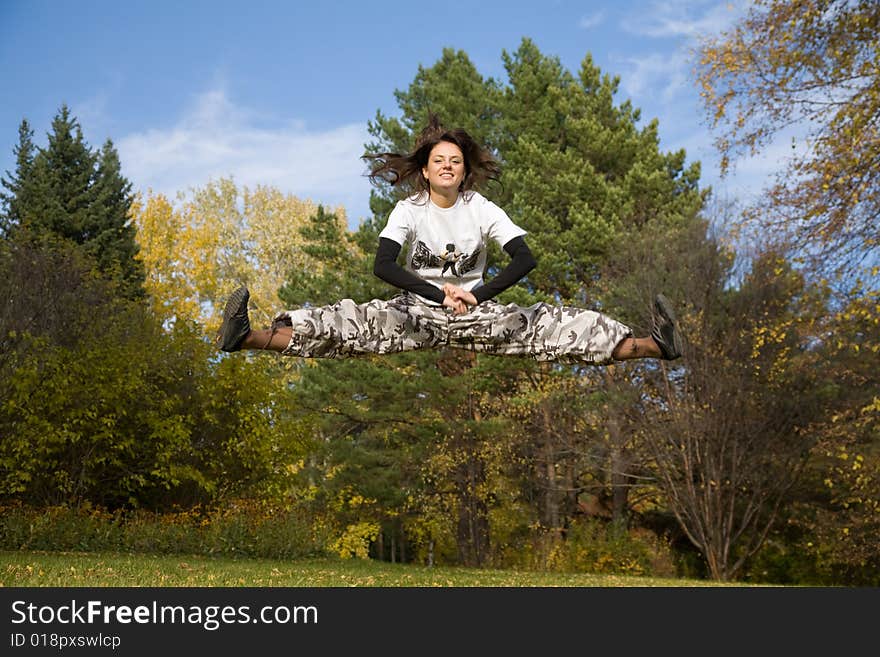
(449, 245)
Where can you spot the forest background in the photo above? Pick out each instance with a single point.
(754, 457)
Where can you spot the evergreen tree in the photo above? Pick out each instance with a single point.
(111, 235)
(582, 176)
(612, 220)
(584, 179)
(69, 192)
(62, 184)
(334, 267)
(13, 201)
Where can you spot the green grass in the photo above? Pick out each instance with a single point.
(72, 569)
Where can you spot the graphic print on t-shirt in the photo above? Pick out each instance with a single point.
(450, 259)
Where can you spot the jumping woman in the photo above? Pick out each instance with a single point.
(442, 220)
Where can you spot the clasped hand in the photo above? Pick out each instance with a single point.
(458, 299)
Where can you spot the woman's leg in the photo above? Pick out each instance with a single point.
(273, 339)
(562, 333)
(342, 329)
(630, 348)
(542, 331)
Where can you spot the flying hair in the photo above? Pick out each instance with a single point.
(405, 170)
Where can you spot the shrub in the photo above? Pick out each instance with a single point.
(595, 546)
(243, 528)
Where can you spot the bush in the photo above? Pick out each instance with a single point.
(594, 546)
(243, 528)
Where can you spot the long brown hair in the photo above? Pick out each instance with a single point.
(405, 170)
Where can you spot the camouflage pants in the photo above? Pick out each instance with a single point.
(404, 323)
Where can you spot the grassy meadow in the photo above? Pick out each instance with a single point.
(85, 569)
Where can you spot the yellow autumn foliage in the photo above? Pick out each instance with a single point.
(199, 248)
(809, 71)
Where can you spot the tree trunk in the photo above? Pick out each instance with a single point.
(620, 463)
(473, 515)
(619, 486)
(472, 534)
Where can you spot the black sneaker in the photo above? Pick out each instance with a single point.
(665, 333)
(235, 325)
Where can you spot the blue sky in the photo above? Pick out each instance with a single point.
(279, 93)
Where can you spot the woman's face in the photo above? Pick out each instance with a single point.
(445, 168)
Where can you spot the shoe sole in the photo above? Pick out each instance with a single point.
(233, 306)
(664, 307)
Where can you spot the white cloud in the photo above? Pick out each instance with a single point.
(684, 18)
(661, 75)
(215, 138)
(592, 20)
(667, 75)
(658, 76)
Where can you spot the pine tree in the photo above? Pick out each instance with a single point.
(61, 180)
(345, 270)
(66, 191)
(13, 202)
(112, 239)
(583, 179)
(582, 176)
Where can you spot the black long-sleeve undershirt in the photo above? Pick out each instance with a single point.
(521, 263)
(385, 267)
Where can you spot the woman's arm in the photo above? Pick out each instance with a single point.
(385, 267)
(521, 263)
